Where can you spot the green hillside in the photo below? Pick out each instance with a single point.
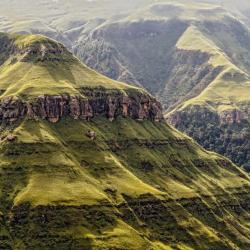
(34, 65)
(136, 184)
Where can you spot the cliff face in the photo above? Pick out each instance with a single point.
(226, 117)
(94, 103)
(234, 116)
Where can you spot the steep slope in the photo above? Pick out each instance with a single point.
(143, 50)
(89, 163)
(223, 105)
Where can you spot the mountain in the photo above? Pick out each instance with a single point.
(218, 117)
(89, 163)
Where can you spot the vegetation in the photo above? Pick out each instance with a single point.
(34, 68)
(138, 185)
(135, 185)
(226, 95)
(188, 54)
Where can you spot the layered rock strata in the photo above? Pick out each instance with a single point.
(91, 103)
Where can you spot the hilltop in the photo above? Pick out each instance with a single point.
(34, 60)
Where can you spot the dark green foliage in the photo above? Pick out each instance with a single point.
(231, 140)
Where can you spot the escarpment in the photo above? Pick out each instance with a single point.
(90, 104)
(71, 179)
(53, 84)
(234, 116)
(225, 117)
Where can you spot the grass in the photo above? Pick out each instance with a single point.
(229, 90)
(224, 42)
(27, 40)
(127, 189)
(194, 39)
(57, 168)
(88, 161)
(66, 75)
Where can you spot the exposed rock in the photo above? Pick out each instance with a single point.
(91, 134)
(229, 116)
(224, 132)
(96, 102)
(11, 137)
(51, 51)
(234, 116)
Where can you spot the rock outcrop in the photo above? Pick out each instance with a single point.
(234, 116)
(40, 51)
(97, 102)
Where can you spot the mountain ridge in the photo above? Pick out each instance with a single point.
(133, 183)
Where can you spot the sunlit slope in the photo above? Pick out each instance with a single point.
(139, 185)
(35, 65)
(230, 88)
(223, 105)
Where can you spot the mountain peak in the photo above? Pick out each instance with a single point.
(32, 65)
(40, 48)
(40, 78)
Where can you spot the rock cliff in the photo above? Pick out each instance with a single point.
(91, 103)
(234, 116)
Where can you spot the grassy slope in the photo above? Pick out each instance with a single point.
(33, 78)
(57, 165)
(230, 89)
(228, 92)
(139, 185)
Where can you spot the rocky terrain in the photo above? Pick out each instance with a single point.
(96, 103)
(89, 163)
(226, 132)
